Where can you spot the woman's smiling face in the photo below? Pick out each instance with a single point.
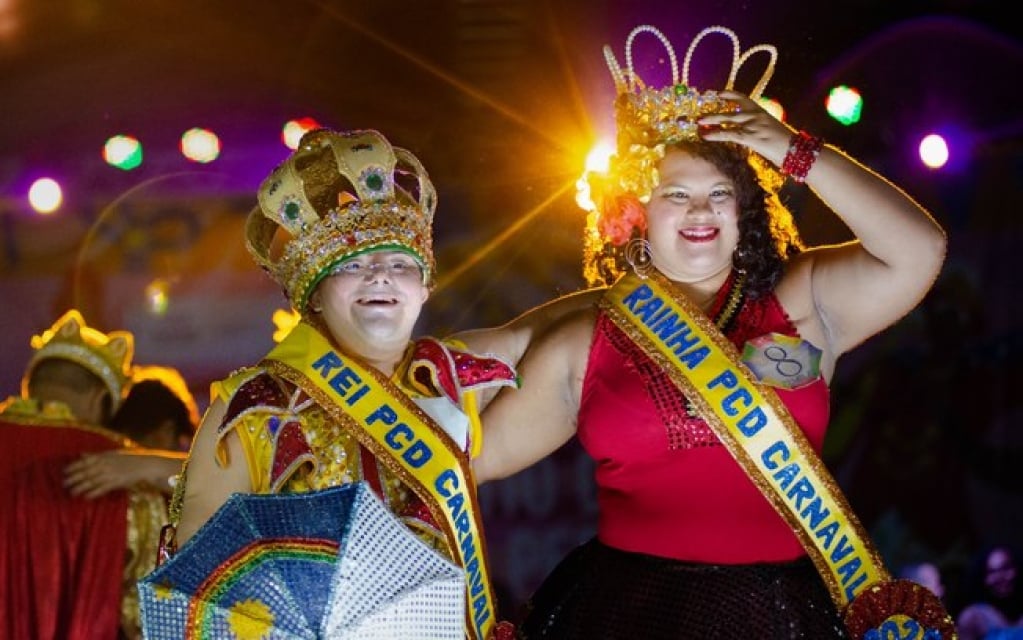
(692, 218)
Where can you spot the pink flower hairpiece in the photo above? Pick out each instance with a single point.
(619, 216)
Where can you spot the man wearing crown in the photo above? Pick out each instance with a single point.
(347, 396)
(63, 558)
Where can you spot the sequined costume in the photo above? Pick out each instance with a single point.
(347, 212)
(285, 455)
(702, 551)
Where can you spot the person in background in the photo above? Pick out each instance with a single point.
(994, 610)
(76, 373)
(159, 416)
(63, 558)
(926, 574)
(159, 412)
(698, 381)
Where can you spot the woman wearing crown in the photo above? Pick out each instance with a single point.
(698, 380)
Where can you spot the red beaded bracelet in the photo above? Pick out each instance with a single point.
(802, 153)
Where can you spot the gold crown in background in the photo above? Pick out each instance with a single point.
(649, 116)
(340, 194)
(107, 355)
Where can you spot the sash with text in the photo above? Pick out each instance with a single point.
(757, 429)
(388, 423)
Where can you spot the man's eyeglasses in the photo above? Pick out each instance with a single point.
(393, 268)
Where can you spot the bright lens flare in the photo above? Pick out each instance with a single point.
(934, 151)
(293, 131)
(45, 195)
(123, 152)
(597, 161)
(844, 104)
(157, 296)
(200, 145)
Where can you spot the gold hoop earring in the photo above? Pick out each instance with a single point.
(637, 254)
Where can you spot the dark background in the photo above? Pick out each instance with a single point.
(501, 100)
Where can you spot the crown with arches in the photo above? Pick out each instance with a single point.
(649, 115)
(647, 119)
(106, 355)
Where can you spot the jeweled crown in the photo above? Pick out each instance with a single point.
(340, 194)
(648, 116)
(107, 355)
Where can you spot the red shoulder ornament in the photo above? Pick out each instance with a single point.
(442, 370)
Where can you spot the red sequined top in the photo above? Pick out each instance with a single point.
(666, 485)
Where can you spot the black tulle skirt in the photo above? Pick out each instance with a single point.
(598, 592)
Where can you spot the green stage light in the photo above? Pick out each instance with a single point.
(845, 104)
(123, 152)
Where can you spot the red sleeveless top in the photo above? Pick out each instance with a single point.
(665, 485)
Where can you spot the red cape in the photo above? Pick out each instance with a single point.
(61, 557)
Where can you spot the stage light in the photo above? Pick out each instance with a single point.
(200, 145)
(157, 296)
(293, 131)
(844, 104)
(45, 195)
(123, 152)
(598, 160)
(934, 151)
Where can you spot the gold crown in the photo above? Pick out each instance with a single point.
(340, 194)
(108, 355)
(647, 119)
(650, 116)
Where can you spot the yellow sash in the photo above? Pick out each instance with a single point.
(761, 435)
(400, 435)
(753, 425)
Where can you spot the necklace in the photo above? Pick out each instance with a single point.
(726, 314)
